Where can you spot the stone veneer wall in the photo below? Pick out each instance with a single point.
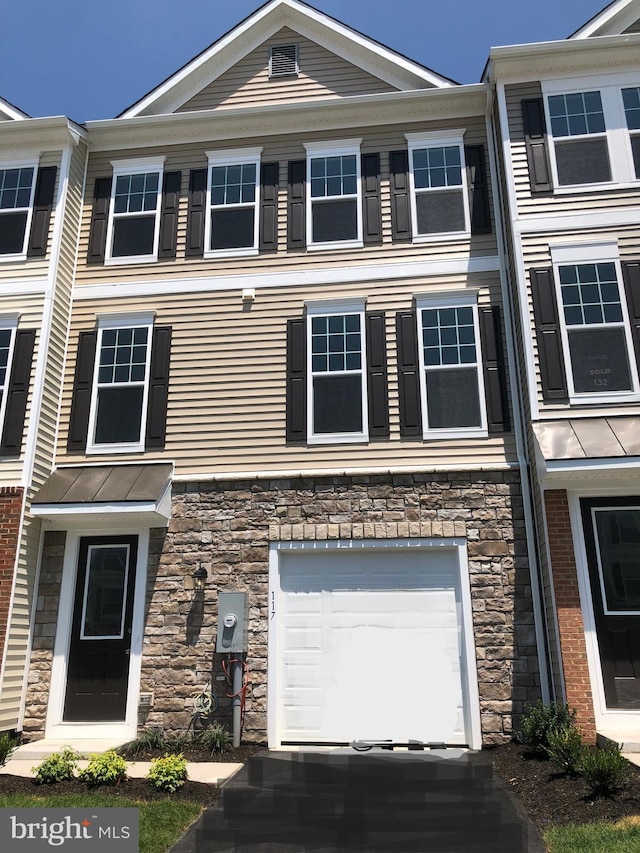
(227, 527)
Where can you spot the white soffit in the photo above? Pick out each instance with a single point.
(613, 20)
(376, 59)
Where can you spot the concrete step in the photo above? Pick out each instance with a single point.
(39, 749)
(629, 742)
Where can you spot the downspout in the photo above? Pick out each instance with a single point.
(541, 628)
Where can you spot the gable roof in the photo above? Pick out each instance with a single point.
(371, 56)
(9, 111)
(613, 20)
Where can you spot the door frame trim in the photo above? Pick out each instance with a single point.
(606, 720)
(55, 727)
(469, 673)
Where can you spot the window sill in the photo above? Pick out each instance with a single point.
(231, 253)
(441, 434)
(442, 235)
(106, 449)
(339, 438)
(604, 398)
(131, 259)
(336, 244)
(12, 259)
(590, 188)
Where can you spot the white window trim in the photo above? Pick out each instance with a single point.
(571, 254)
(320, 308)
(605, 603)
(85, 595)
(29, 163)
(462, 299)
(8, 323)
(122, 321)
(438, 139)
(616, 131)
(128, 167)
(337, 148)
(233, 157)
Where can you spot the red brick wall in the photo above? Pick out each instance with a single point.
(10, 510)
(573, 648)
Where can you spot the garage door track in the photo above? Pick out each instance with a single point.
(439, 801)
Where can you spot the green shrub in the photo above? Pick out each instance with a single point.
(57, 767)
(7, 745)
(148, 739)
(604, 769)
(539, 721)
(168, 773)
(178, 743)
(107, 768)
(216, 738)
(566, 749)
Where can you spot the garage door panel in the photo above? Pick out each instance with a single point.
(370, 647)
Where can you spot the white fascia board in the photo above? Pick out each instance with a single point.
(340, 275)
(255, 30)
(611, 21)
(11, 112)
(552, 59)
(105, 515)
(41, 133)
(297, 117)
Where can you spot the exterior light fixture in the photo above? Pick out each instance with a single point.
(199, 579)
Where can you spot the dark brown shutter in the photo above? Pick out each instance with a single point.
(297, 379)
(495, 380)
(550, 356)
(408, 374)
(17, 393)
(400, 195)
(196, 213)
(377, 390)
(269, 182)
(158, 388)
(99, 221)
(82, 387)
(296, 213)
(371, 214)
(42, 204)
(169, 214)
(535, 136)
(478, 189)
(631, 275)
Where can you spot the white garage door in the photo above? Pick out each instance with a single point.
(370, 647)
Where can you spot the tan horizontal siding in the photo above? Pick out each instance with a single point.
(536, 254)
(32, 267)
(579, 202)
(282, 150)
(227, 385)
(322, 74)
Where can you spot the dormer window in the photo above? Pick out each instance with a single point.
(283, 61)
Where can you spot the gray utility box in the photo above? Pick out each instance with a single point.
(233, 618)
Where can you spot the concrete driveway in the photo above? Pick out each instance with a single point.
(439, 801)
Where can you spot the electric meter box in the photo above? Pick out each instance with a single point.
(233, 619)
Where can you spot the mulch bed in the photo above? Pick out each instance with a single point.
(553, 799)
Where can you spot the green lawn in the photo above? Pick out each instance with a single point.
(603, 837)
(162, 822)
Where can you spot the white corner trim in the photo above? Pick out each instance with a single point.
(310, 277)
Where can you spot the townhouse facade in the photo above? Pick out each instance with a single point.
(568, 119)
(332, 347)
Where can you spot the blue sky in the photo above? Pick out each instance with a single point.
(89, 59)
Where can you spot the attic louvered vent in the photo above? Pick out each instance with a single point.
(283, 61)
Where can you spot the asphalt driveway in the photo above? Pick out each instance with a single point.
(439, 801)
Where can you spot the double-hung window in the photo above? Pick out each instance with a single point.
(593, 130)
(439, 198)
(17, 185)
(233, 193)
(594, 323)
(334, 208)
(337, 390)
(134, 220)
(120, 387)
(450, 361)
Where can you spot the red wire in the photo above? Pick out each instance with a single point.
(245, 681)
